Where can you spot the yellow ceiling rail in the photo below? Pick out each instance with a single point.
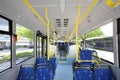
(67, 37)
(112, 4)
(35, 12)
(76, 27)
(53, 27)
(48, 33)
(85, 14)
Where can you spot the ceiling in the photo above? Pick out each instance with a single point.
(65, 11)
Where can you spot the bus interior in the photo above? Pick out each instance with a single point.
(59, 39)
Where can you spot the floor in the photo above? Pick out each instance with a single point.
(64, 70)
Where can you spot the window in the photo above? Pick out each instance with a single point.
(5, 43)
(101, 40)
(24, 44)
(4, 24)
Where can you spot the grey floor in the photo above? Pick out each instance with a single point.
(64, 71)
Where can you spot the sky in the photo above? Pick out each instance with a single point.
(107, 29)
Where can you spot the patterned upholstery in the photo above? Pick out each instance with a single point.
(103, 74)
(26, 73)
(66, 45)
(43, 73)
(54, 65)
(59, 44)
(83, 74)
(86, 55)
(41, 60)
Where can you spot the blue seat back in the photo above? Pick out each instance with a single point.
(53, 63)
(83, 74)
(26, 73)
(59, 44)
(41, 60)
(66, 45)
(103, 74)
(86, 55)
(43, 73)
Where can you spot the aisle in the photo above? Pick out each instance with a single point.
(64, 71)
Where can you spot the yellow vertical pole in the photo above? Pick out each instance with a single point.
(77, 25)
(48, 33)
(84, 15)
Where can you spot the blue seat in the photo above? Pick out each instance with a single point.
(26, 73)
(41, 60)
(103, 74)
(43, 73)
(66, 45)
(83, 74)
(53, 64)
(86, 55)
(59, 44)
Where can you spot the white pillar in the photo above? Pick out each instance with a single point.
(115, 43)
(13, 45)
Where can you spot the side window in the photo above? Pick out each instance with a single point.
(5, 43)
(102, 41)
(24, 44)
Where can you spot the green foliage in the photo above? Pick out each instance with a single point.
(24, 32)
(94, 33)
(18, 55)
(24, 54)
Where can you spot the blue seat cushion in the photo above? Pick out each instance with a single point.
(43, 73)
(26, 73)
(103, 74)
(41, 60)
(83, 74)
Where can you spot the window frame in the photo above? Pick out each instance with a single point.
(10, 32)
(118, 33)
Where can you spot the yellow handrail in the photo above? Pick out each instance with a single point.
(48, 33)
(85, 14)
(88, 61)
(77, 33)
(112, 4)
(35, 12)
(53, 27)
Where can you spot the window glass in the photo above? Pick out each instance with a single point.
(4, 24)
(5, 52)
(101, 40)
(24, 44)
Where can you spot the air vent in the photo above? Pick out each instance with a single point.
(58, 21)
(62, 37)
(66, 22)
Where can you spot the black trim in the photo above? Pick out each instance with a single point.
(118, 32)
(10, 34)
(25, 60)
(5, 70)
(104, 60)
(46, 46)
(42, 42)
(9, 26)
